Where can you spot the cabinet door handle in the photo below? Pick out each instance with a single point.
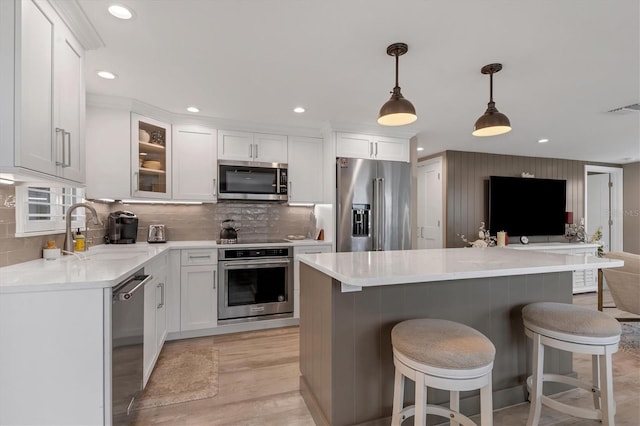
(136, 181)
(256, 145)
(200, 257)
(60, 130)
(161, 287)
(215, 189)
(376, 149)
(68, 151)
(370, 149)
(214, 281)
(251, 151)
(290, 190)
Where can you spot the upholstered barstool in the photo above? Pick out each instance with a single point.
(445, 355)
(575, 329)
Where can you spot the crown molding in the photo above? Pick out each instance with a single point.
(74, 17)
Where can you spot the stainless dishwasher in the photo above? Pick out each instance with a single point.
(127, 329)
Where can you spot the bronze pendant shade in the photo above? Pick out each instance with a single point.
(492, 122)
(397, 111)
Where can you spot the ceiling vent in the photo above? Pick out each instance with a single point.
(626, 109)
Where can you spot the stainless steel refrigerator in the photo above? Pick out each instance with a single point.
(373, 205)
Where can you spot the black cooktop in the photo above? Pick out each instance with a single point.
(258, 241)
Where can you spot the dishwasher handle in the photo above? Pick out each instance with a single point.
(126, 292)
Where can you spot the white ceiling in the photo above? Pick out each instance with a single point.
(565, 64)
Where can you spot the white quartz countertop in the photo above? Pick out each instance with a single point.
(101, 266)
(367, 269)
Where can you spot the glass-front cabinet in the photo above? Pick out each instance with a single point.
(151, 158)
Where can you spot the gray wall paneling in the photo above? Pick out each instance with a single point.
(467, 174)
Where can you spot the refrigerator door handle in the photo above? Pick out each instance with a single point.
(378, 214)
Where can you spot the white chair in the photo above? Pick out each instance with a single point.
(624, 283)
(575, 329)
(444, 355)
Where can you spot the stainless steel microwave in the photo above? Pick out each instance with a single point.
(244, 180)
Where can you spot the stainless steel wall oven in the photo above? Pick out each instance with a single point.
(255, 283)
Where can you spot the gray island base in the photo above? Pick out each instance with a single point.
(346, 357)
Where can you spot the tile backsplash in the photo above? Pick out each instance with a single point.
(182, 222)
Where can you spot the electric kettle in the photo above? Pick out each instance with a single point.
(229, 232)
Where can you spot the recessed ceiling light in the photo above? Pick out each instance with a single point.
(543, 140)
(120, 11)
(420, 148)
(193, 109)
(298, 110)
(107, 75)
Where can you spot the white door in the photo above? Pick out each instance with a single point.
(70, 103)
(198, 298)
(394, 149)
(430, 204)
(354, 145)
(305, 170)
(598, 207)
(194, 163)
(38, 143)
(269, 148)
(235, 145)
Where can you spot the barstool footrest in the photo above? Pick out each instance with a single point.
(437, 410)
(585, 413)
(559, 378)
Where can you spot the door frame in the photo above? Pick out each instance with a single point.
(616, 201)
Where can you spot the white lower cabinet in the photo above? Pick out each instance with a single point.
(53, 359)
(198, 289)
(155, 314)
(316, 248)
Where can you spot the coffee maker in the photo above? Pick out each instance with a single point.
(122, 227)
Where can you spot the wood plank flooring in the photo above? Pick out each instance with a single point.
(258, 385)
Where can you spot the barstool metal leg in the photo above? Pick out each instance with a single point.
(420, 417)
(536, 382)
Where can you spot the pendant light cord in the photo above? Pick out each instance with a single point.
(397, 60)
(490, 87)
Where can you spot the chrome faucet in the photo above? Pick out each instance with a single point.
(68, 238)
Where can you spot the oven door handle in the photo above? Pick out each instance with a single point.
(246, 264)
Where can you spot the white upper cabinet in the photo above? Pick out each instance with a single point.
(305, 170)
(45, 93)
(246, 146)
(151, 158)
(194, 163)
(269, 148)
(108, 153)
(355, 145)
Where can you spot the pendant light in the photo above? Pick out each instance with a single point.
(397, 111)
(492, 122)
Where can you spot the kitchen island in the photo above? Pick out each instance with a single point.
(349, 302)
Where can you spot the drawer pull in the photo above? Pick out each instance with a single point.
(200, 257)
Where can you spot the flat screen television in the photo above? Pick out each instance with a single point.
(527, 206)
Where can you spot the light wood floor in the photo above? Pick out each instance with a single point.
(258, 385)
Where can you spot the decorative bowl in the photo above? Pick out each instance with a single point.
(152, 164)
